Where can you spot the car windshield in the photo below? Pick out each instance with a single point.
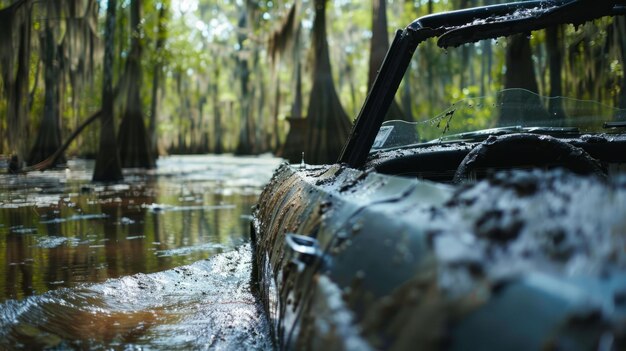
(564, 81)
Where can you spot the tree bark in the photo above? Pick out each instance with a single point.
(49, 135)
(296, 137)
(108, 167)
(380, 41)
(555, 54)
(296, 107)
(11, 18)
(246, 132)
(485, 67)
(135, 148)
(217, 118)
(156, 77)
(327, 123)
(520, 73)
(276, 132)
(407, 96)
(379, 45)
(292, 148)
(620, 31)
(18, 112)
(429, 63)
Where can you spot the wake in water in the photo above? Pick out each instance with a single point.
(208, 304)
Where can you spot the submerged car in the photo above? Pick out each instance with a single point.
(506, 233)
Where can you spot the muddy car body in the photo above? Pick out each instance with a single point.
(508, 238)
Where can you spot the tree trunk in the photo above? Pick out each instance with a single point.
(296, 107)
(327, 123)
(202, 130)
(407, 96)
(245, 145)
(430, 73)
(620, 32)
(49, 135)
(135, 148)
(217, 118)
(276, 133)
(555, 54)
(485, 69)
(378, 49)
(156, 78)
(18, 96)
(380, 41)
(108, 166)
(296, 137)
(295, 140)
(15, 26)
(260, 97)
(520, 73)
(8, 21)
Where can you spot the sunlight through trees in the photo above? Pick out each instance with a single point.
(197, 76)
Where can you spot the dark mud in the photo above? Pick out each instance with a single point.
(524, 260)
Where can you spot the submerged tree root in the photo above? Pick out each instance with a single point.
(51, 160)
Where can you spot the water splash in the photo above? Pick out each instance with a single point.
(207, 304)
(187, 250)
(91, 266)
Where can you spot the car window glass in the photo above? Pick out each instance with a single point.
(504, 85)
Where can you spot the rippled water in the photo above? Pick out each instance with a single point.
(124, 265)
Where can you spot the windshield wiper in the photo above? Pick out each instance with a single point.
(621, 124)
(484, 133)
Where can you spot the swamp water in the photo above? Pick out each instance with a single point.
(159, 261)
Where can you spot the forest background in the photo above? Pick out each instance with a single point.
(199, 76)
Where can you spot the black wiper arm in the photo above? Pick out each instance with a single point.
(620, 124)
(527, 20)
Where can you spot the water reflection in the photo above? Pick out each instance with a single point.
(57, 230)
(207, 304)
(18, 270)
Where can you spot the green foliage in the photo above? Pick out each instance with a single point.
(204, 47)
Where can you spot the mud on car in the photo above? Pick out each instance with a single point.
(499, 223)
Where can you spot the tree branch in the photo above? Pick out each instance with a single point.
(51, 160)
